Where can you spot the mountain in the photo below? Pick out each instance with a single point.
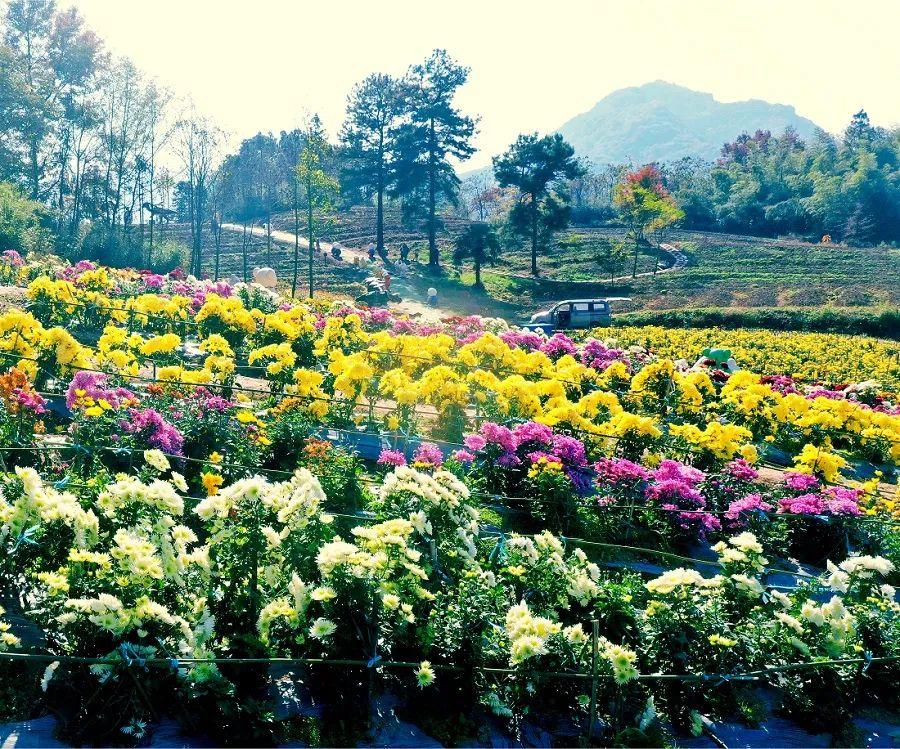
(660, 121)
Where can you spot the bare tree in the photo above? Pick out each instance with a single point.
(197, 144)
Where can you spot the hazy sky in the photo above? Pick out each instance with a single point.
(261, 64)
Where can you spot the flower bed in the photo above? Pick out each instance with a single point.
(175, 527)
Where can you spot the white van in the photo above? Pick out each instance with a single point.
(574, 314)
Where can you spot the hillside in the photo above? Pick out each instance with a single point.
(661, 121)
(724, 271)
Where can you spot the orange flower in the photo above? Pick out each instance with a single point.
(316, 448)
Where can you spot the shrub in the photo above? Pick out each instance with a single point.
(884, 323)
(20, 221)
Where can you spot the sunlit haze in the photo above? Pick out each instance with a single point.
(264, 65)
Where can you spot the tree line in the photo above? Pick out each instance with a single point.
(94, 148)
(99, 156)
(846, 188)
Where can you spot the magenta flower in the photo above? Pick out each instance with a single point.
(741, 470)
(569, 449)
(672, 470)
(93, 385)
(428, 454)
(597, 356)
(509, 460)
(800, 482)
(475, 442)
(531, 431)
(150, 424)
(521, 339)
(558, 346)
(391, 458)
(13, 258)
(613, 471)
(499, 435)
(804, 504)
(750, 503)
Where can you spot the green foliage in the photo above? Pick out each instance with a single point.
(369, 138)
(169, 255)
(480, 243)
(848, 189)
(645, 206)
(537, 168)
(884, 323)
(318, 189)
(433, 131)
(20, 227)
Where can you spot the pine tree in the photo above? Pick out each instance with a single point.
(368, 137)
(538, 168)
(433, 131)
(480, 243)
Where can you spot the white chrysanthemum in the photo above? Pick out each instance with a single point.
(323, 593)
(749, 584)
(48, 675)
(157, 460)
(335, 553)
(425, 675)
(271, 535)
(782, 598)
(322, 628)
(746, 541)
(789, 621)
(678, 578)
(865, 566)
(179, 481)
(812, 613)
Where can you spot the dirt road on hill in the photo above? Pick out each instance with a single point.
(349, 255)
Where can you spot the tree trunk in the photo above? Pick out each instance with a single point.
(140, 207)
(152, 178)
(477, 272)
(309, 218)
(244, 250)
(379, 218)
(35, 169)
(379, 210)
(534, 235)
(218, 237)
(434, 259)
(296, 239)
(269, 237)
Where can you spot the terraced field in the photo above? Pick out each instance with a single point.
(355, 227)
(336, 278)
(723, 271)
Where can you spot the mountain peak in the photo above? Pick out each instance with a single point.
(662, 121)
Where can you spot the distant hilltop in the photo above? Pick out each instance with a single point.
(661, 121)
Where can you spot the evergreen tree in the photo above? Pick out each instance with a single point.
(433, 131)
(479, 242)
(859, 230)
(538, 167)
(368, 135)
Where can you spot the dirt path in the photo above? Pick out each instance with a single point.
(410, 294)
(679, 261)
(413, 303)
(12, 296)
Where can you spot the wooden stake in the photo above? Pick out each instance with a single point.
(595, 643)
